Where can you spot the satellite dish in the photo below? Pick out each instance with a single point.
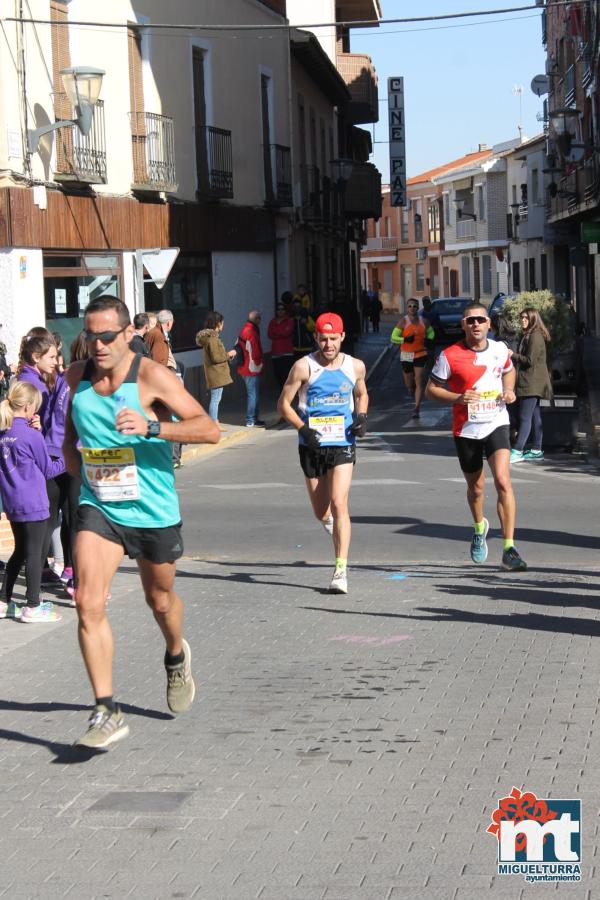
(539, 85)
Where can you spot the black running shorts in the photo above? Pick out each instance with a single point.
(471, 450)
(157, 545)
(418, 362)
(317, 462)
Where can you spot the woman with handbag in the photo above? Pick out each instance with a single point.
(533, 384)
(216, 361)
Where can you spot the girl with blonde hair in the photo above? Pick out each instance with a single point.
(24, 467)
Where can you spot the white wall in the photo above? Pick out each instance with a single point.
(21, 296)
(241, 282)
(309, 12)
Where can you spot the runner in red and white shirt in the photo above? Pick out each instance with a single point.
(476, 375)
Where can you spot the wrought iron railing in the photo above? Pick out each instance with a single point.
(570, 86)
(383, 243)
(153, 149)
(215, 167)
(82, 158)
(310, 185)
(465, 229)
(280, 158)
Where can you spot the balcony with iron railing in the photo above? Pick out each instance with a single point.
(311, 195)
(465, 229)
(214, 163)
(383, 243)
(360, 76)
(586, 66)
(153, 149)
(362, 192)
(570, 86)
(81, 159)
(576, 192)
(279, 184)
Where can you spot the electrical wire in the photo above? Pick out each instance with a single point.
(285, 26)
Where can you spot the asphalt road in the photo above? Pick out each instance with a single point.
(340, 746)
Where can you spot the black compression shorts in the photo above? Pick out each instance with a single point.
(471, 450)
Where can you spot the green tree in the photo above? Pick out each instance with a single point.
(557, 315)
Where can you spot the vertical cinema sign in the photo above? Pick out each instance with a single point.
(397, 141)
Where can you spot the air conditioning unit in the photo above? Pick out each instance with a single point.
(539, 2)
(421, 253)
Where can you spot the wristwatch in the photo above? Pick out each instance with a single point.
(153, 429)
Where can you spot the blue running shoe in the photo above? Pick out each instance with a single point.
(479, 550)
(533, 454)
(512, 561)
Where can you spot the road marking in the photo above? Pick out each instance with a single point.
(362, 482)
(513, 480)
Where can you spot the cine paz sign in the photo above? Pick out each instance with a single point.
(397, 141)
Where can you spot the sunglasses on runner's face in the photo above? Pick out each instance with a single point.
(105, 337)
(476, 320)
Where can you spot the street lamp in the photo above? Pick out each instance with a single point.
(564, 137)
(82, 85)
(460, 210)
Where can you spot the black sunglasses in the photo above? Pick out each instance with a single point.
(476, 320)
(105, 337)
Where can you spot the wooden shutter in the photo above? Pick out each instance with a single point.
(136, 102)
(61, 59)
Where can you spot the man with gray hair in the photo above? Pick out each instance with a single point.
(158, 340)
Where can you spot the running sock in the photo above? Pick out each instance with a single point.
(340, 564)
(507, 544)
(108, 702)
(479, 527)
(174, 660)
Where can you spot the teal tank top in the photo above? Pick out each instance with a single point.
(129, 478)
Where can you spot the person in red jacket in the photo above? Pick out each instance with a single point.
(252, 367)
(280, 331)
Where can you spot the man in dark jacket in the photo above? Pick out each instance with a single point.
(141, 324)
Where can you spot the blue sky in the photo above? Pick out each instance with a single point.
(458, 81)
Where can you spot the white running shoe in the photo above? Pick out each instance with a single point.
(328, 525)
(339, 582)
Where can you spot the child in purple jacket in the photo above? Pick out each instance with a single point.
(24, 468)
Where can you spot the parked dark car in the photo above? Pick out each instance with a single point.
(446, 316)
(566, 368)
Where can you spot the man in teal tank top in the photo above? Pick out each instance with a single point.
(125, 412)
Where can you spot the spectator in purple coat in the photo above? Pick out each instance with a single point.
(24, 468)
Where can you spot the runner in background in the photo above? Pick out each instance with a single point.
(332, 413)
(411, 333)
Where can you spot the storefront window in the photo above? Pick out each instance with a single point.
(70, 282)
(187, 294)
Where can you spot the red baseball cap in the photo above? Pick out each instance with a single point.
(329, 323)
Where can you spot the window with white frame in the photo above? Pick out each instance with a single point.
(465, 274)
(486, 274)
(420, 277)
